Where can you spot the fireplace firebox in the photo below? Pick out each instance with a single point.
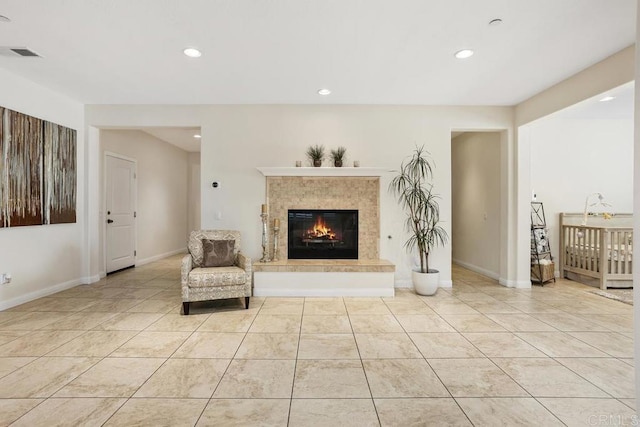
(322, 234)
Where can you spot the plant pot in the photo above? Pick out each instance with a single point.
(425, 283)
(317, 163)
(337, 163)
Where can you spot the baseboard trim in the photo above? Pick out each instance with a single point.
(159, 257)
(445, 284)
(39, 293)
(403, 284)
(520, 284)
(92, 279)
(476, 269)
(408, 284)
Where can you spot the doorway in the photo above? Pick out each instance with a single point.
(120, 206)
(476, 194)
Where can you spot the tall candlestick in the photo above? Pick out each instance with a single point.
(265, 235)
(264, 208)
(276, 233)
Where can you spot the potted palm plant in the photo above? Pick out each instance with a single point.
(414, 191)
(337, 156)
(315, 153)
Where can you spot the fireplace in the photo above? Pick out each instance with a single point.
(322, 234)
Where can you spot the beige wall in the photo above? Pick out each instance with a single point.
(475, 193)
(572, 158)
(194, 193)
(237, 139)
(49, 258)
(162, 188)
(611, 72)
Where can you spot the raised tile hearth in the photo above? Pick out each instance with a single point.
(324, 278)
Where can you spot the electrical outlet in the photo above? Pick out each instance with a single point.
(5, 278)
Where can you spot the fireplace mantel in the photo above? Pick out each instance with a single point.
(326, 171)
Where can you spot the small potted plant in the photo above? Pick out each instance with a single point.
(337, 156)
(414, 191)
(315, 153)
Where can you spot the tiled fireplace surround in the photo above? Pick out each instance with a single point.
(302, 192)
(367, 276)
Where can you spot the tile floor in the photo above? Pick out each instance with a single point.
(119, 353)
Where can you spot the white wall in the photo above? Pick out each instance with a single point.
(194, 193)
(572, 158)
(612, 72)
(162, 188)
(236, 140)
(475, 170)
(43, 259)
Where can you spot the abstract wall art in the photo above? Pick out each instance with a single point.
(59, 174)
(3, 202)
(37, 171)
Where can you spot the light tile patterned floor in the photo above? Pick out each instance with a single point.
(119, 353)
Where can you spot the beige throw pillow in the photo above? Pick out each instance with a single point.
(218, 253)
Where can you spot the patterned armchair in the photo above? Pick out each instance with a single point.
(201, 283)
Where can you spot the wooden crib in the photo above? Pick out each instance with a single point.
(598, 254)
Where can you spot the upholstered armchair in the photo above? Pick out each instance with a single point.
(215, 268)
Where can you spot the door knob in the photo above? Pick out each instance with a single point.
(109, 221)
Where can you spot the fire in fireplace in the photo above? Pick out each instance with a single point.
(323, 234)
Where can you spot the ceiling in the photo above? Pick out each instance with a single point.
(283, 51)
(620, 107)
(180, 137)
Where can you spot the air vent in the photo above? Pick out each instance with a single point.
(18, 52)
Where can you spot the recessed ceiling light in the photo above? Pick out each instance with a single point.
(4, 19)
(464, 53)
(495, 22)
(192, 52)
(608, 98)
(324, 92)
(197, 136)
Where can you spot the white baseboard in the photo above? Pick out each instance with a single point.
(477, 269)
(39, 293)
(403, 283)
(521, 284)
(87, 280)
(445, 284)
(406, 283)
(154, 258)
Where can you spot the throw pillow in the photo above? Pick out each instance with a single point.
(218, 253)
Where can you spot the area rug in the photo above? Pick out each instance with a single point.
(623, 295)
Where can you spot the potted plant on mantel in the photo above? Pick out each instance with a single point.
(414, 191)
(315, 153)
(337, 156)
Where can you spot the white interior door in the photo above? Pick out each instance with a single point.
(121, 223)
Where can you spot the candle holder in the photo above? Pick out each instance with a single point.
(265, 237)
(276, 232)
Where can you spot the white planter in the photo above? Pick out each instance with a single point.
(425, 283)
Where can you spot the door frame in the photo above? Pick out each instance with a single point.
(103, 213)
(508, 247)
